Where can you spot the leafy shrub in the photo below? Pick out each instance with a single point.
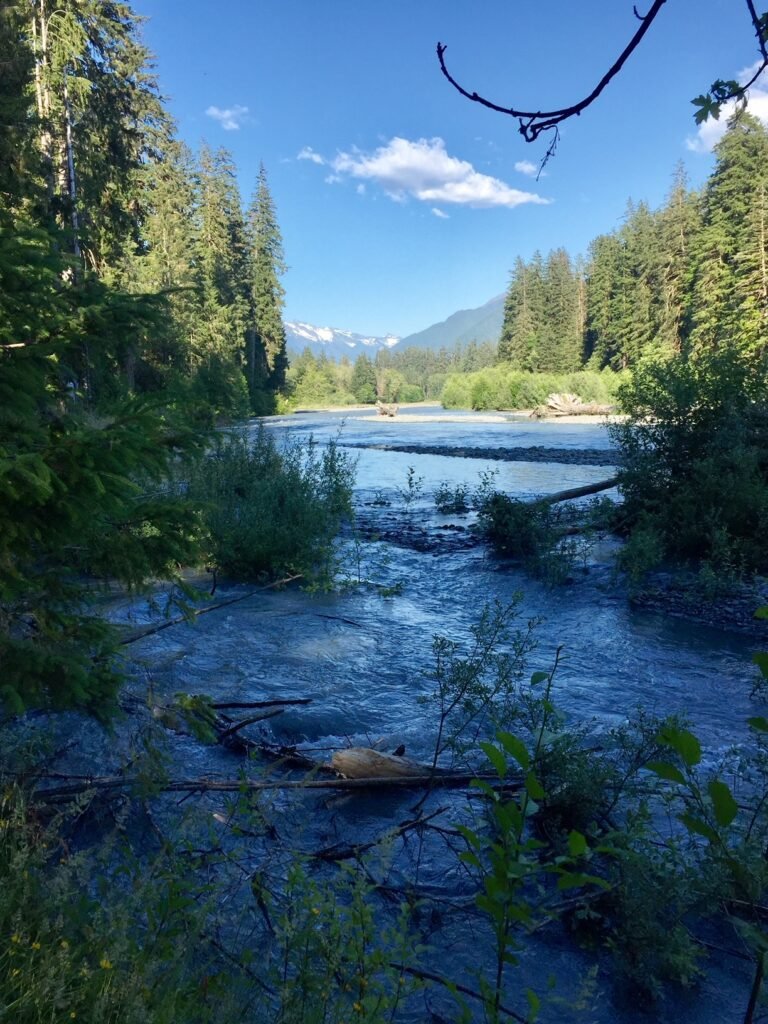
(456, 392)
(499, 387)
(410, 393)
(79, 945)
(695, 457)
(269, 511)
(516, 529)
(452, 500)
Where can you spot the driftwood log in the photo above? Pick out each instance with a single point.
(365, 763)
(386, 409)
(568, 404)
(576, 492)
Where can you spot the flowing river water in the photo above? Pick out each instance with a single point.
(364, 659)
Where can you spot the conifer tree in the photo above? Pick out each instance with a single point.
(267, 265)
(729, 307)
(364, 379)
(679, 223)
(523, 314)
(560, 341)
(218, 338)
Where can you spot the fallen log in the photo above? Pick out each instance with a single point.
(447, 779)
(568, 404)
(196, 612)
(386, 409)
(366, 763)
(576, 492)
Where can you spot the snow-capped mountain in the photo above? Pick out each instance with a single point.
(334, 342)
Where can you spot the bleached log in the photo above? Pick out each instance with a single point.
(386, 409)
(365, 763)
(568, 404)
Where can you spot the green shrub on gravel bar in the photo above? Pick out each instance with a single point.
(270, 510)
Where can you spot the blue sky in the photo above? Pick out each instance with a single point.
(400, 201)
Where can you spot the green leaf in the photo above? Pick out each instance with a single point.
(759, 724)
(534, 1004)
(684, 742)
(762, 612)
(699, 827)
(515, 747)
(666, 771)
(761, 660)
(496, 757)
(471, 837)
(724, 805)
(533, 787)
(539, 677)
(577, 844)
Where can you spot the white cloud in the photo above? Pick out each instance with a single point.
(526, 167)
(309, 154)
(424, 170)
(229, 119)
(440, 213)
(709, 134)
(360, 189)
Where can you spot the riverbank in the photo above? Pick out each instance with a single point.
(405, 415)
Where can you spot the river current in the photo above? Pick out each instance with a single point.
(363, 655)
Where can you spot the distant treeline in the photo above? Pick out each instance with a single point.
(410, 375)
(688, 278)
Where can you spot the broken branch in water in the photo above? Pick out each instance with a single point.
(232, 729)
(232, 705)
(196, 612)
(453, 986)
(337, 852)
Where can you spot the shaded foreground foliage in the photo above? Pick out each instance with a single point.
(633, 845)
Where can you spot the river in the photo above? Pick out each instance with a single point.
(363, 655)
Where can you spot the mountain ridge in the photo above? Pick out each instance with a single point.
(483, 323)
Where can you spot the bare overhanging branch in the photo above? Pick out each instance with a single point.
(534, 122)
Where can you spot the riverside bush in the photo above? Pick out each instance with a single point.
(270, 510)
(695, 458)
(501, 387)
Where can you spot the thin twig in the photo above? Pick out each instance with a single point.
(248, 721)
(453, 986)
(196, 612)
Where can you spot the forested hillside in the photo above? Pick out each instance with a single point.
(689, 276)
(93, 176)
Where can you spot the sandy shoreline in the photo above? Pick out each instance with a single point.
(454, 416)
